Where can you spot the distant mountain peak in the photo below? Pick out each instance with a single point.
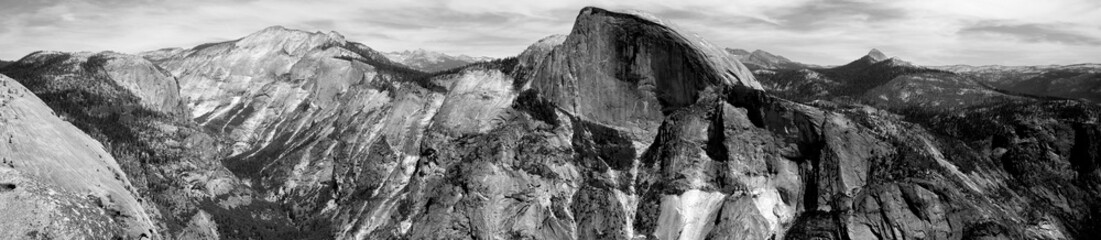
(275, 28)
(877, 55)
(292, 41)
(873, 57)
(279, 31)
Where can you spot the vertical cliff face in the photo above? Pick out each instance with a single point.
(629, 69)
(56, 181)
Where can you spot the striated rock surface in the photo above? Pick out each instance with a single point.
(331, 130)
(245, 87)
(56, 181)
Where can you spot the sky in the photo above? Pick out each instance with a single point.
(825, 32)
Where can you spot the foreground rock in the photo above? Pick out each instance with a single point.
(56, 181)
(133, 108)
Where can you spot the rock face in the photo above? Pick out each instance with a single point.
(529, 60)
(331, 130)
(244, 87)
(56, 181)
(1047, 152)
(650, 69)
(626, 128)
(429, 61)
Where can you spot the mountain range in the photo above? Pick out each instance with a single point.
(624, 128)
(939, 85)
(430, 61)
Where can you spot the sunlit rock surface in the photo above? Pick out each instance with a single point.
(56, 181)
(174, 166)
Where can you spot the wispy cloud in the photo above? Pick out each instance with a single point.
(1015, 32)
(1031, 33)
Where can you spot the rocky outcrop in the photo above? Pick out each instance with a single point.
(1045, 153)
(56, 181)
(246, 87)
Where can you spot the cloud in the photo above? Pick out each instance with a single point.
(1031, 33)
(815, 31)
(839, 13)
